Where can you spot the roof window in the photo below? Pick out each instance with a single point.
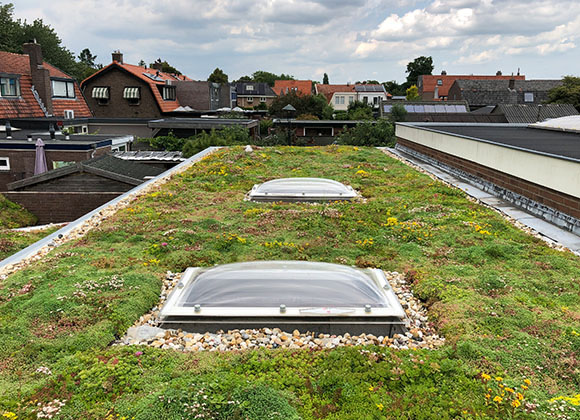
(301, 189)
(9, 86)
(310, 296)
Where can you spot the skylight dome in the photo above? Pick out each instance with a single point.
(301, 189)
(300, 295)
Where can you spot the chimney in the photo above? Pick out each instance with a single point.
(40, 75)
(443, 73)
(117, 56)
(498, 73)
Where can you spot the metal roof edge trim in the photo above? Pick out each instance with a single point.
(37, 246)
(507, 146)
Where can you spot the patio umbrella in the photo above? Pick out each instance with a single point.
(40, 161)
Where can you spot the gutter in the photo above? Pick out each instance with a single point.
(40, 248)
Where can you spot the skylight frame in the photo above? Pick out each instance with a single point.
(256, 195)
(334, 320)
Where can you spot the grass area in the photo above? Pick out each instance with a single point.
(507, 304)
(12, 216)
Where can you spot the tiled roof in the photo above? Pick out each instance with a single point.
(282, 87)
(429, 82)
(329, 90)
(530, 113)
(155, 79)
(494, 92)
(258, 89)
(27, 106)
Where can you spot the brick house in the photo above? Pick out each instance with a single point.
(122, 90)
(252, 94)
(301, 87)
(33, 88)
(437, 86)
(71, 191)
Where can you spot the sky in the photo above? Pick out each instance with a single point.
(350, 40)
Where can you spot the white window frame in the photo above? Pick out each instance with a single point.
(342, 100)
(262, 99)
(528, 96)
(250, 87)
(166, 93)
(350, 100)
(4, 163)
(337, 100)
(250, 99)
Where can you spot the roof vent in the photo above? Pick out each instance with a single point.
(301, 189)
(300, 295)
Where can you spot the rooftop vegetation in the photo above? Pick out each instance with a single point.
(506, 302)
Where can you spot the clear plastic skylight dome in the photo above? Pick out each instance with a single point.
(301, 189)
(292, 294)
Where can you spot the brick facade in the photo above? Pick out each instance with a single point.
(242, 101)
(55, 207)
(22, 161)
(118, 107)
(563, 202)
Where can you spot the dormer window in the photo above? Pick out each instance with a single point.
(528, 97)
(63, 89)
(101, 94)
(9, 86)
(250, 87)
(169, 93)
(439, 82)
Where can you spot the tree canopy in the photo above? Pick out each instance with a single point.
(413, 93)
(165, 67)
(218, 76)
(568, 93)
(417, 67)
(325, 79)
(261, 76)
(305, 105)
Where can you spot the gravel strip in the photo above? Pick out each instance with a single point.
(420, 333)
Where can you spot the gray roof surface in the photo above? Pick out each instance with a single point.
(369, 88)
(123, 167)
(533, 139)
(531, 113)
(493, 92)
(259, 89)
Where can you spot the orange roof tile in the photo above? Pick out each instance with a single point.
(303, 87)
(26, 106)
(430, 81)
(139, 72)
(329, 90)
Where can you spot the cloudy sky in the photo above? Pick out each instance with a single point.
(348, 39)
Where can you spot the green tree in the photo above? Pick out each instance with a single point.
(305, 105)
(417, 67)
(244, 79)
(394, 88)
(398, 113)
(86, 65)
(369, 133)
(10, 30)
(218, 76)
(165, 67)
(568, 93)
(413, 93)
(87, 58)
(267, 77)
(359, 111)
(325, 79)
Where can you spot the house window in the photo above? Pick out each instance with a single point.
(101, 94)
(63, 89)
(169, 93)
(365, 100)
(350, 99)
(249, 87)
(337, 100)
(342, 100)
(528, 97)
(439, 82)
(375, 100)
(250, 99)
(262, 99)
(4, 164)
(9, 86)
(132, 94)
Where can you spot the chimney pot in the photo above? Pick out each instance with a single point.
(498, 73)
(117, 56)
(443, 73)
